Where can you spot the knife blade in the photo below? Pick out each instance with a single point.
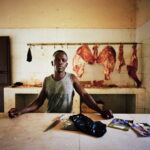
(52, 125)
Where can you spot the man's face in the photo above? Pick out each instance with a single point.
(60, 62)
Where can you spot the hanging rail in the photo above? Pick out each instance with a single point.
(103, 43)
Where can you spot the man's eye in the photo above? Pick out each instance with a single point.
(56, 59)
(63, 60)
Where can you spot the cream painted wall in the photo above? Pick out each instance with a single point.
(35, 71)
(143, 35)
(142, 12)
(106, 14)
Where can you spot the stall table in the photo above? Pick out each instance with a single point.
(26, 133)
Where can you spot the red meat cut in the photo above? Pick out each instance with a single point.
(132, 67)
(95, 52)
(107, 57)
(78, 65)
(86, 54)
(121, 58)
(83, 54)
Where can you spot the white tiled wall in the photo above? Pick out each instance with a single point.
(143, 35)
(35, 71)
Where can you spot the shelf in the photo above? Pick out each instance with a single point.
(32, 90)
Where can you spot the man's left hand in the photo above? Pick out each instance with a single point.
(107, 114)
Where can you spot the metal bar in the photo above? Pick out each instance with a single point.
(103, 43)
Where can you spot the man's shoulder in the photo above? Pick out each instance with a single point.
(48, 77)
(71, 75)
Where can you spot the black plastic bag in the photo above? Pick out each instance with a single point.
(29, 55)
(17, 84)
(86, 125)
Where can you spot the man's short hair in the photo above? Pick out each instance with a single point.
(59, 51)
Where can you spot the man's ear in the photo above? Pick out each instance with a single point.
(66, 64)
(52, 63)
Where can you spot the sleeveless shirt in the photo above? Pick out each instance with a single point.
(59, 94)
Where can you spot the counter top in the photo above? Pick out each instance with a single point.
(114, 90)
(26, 133)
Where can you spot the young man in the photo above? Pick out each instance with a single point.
(58, 88)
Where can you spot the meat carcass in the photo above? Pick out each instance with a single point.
(107, 57)
(86, 54)
(121, 58)
(132, 67)
(78, 65)
(83, 55)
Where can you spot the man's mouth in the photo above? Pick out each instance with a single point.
(59, 67)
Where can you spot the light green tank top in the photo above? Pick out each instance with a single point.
(59, 94)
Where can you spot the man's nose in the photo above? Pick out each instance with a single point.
(60, 61)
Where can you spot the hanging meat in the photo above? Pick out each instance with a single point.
(78, 65)
(86, 54)
(133, 66)
(107, 57)
(95, 52)
(83, 55)
(121, 58)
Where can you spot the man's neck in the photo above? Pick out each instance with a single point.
(59, 76)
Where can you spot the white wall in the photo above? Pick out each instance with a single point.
(35, 71)
(143, 35)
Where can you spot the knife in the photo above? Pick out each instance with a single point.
(57, 121)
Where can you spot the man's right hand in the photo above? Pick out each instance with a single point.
(13, 113)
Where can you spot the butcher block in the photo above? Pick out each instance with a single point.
(26, 133)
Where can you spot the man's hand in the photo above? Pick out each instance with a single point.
(13, 113)
(107, 114)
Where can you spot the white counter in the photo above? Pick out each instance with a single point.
(10, 95)
(33, 90)
(26, 133)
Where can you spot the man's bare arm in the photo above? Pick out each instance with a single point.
(36, 104)
(88, 99)
(31, 108)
